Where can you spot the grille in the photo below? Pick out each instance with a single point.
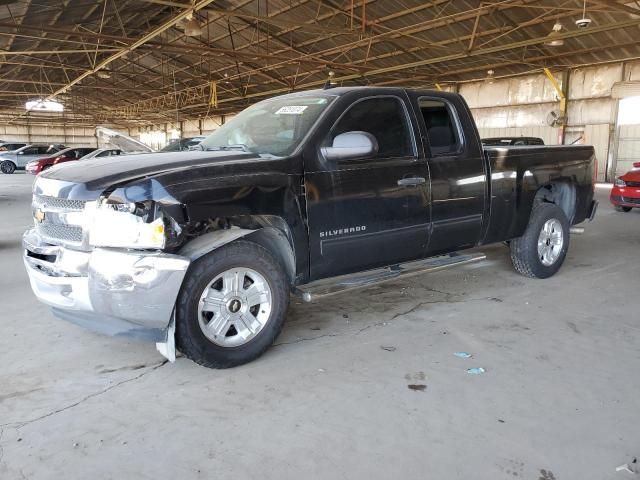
(631, 200)
(50, 219)
(46, 202)
(64, 233)
(633, 184)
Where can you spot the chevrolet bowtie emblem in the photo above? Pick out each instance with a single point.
(39, 216)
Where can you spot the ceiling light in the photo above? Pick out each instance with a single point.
(44, 106)
(192, 28)
(584, 22)
(552, 39)
(489, 78)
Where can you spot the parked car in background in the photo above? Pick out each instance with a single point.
(511, 141)
(103, 152)
(10, 146)
(18, 159)
(67, 155)
(183, 144)
(625, 193)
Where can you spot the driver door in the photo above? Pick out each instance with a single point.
(369, 212)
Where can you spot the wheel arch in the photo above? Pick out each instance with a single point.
(268, 231)
(561, 192)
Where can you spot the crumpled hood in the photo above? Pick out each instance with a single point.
(87, 179)
(632, 175)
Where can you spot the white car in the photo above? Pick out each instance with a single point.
(103, 152)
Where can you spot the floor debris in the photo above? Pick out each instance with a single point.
(462, 354)
(417, 387)
(388, 348)
(625, 467)
(475, 370)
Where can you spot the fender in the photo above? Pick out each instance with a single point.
(211, 241)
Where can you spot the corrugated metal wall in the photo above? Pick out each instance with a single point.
(71, 136)
(520, 106)
(628, 148)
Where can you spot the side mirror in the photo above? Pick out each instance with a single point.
(351, 145)
(20, 153)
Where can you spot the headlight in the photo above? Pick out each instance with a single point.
(126, 225)
(619, 182)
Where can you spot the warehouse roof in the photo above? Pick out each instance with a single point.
(143, 60)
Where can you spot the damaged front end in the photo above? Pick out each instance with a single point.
(102, 263)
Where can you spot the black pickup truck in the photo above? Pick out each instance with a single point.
(310, 193)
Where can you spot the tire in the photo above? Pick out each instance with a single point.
(200, 333)
(622, 209)
(536, 253)
(7, 167)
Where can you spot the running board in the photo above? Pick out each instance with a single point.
(335, 285)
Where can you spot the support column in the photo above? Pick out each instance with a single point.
(562, 92)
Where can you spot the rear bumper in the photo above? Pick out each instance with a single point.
(115, 292)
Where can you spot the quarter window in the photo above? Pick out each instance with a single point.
(385, 119)
(442, 129)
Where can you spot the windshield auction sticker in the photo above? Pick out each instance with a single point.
(291, 110)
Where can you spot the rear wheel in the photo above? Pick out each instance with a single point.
(7, 167)
(232, 305)
(540, 252)
(622, 209)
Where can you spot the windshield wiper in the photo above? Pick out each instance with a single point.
(238, 146)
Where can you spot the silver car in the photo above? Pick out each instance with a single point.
(103, 152)
(18, 159)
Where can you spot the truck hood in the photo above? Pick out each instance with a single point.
(87, 179)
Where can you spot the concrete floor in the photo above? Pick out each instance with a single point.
(559, 399)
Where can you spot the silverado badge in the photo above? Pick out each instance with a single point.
(39, 215)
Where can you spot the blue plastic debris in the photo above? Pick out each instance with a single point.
(462, 354)
(475, 370)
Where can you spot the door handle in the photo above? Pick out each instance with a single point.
(412, 181)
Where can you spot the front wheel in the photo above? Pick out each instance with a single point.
(622, 209)
(231, 306)
(7, 167)
(540, 252)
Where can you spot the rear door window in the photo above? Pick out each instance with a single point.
(442, 125)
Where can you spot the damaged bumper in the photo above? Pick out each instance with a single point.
(116, 292)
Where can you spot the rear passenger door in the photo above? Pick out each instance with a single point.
(368, 212)
(457, 167)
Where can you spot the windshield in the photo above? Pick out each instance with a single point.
(272, 127)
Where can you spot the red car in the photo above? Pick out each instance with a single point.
(625, 193)
(66, 155)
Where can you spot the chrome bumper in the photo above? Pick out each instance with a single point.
(111, 291)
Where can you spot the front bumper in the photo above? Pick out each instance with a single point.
(32, 168)
(116, 292)
(625, 196)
